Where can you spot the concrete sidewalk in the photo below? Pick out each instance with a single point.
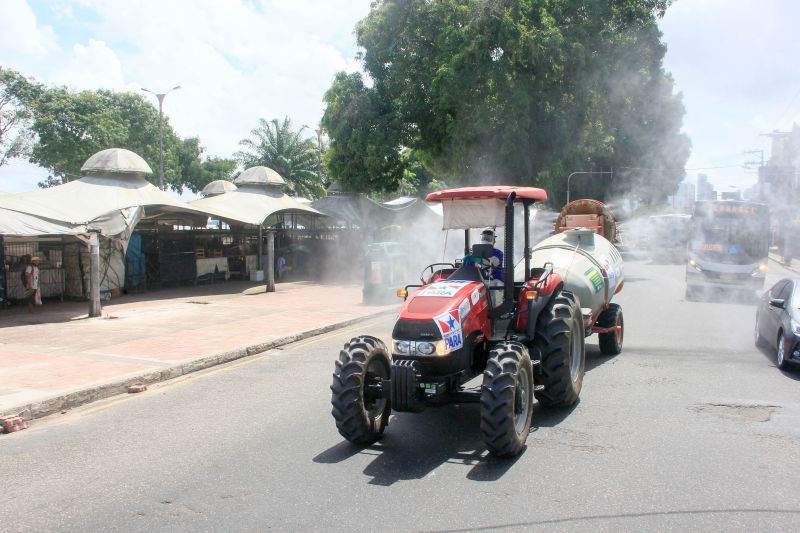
(57, 358)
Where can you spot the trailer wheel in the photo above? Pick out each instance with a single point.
(507, 399)
(611, 342)
(560, 343)
(360, 416)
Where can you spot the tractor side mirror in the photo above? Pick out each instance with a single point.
(780, 303)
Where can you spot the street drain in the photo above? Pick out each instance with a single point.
(198, 302)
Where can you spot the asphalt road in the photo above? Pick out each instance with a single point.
(690, 428)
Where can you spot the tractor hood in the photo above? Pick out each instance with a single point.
(436, 299)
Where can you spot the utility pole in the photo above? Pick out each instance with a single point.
(591, 172)
(161, 97)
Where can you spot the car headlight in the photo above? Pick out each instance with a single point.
(760, 270)
(695, 265)
(795, 327)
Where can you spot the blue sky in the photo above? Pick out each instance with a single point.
(733, 61)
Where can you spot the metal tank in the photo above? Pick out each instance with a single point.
(590, 265)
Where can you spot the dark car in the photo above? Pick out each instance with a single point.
(778, 321)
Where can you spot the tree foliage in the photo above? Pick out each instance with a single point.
(512, 91)
(65, 128)
(16, 93)
(275, 145)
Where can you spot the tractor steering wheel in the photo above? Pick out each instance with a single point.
(431, 268)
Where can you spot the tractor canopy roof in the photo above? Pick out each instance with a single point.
(488, 192)
(475, 207)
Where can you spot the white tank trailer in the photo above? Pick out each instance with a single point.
(592, 269)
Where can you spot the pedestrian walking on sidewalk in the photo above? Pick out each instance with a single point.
(32, 294)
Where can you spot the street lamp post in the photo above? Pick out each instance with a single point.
(161, 97)
(583, 172)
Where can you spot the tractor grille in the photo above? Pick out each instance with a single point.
(416, 330)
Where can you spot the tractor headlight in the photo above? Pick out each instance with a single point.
(426, 348)
(402, 347)
(420, 348)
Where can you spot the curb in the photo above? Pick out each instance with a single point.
(76, 398)
(775, 258)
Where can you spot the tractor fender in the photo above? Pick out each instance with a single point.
(551, 286)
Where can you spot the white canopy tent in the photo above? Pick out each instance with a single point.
(109, 201)
(257, 201)
(257, 198)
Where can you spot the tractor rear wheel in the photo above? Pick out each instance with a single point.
(360, 415)
(560, 343)
(611, 342)
(507, 399)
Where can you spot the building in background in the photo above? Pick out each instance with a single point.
(705, 190)
(684, 197)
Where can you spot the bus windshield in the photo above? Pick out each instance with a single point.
(730, 232)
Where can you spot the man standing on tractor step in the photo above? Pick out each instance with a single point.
(488, 237)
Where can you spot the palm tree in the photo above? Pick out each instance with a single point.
(276, 146)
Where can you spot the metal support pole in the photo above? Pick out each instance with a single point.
(260, 248)
(161, 140)
(94, 275)
(466, 242)
(270, 261)
(527, 205)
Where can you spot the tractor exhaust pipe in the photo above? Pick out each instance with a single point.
(508, 252)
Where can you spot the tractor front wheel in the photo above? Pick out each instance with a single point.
(361, 413)
(507, 399)
(560, 343)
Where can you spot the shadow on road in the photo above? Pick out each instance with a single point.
(414, 445)
(769, 354)
(595, 358)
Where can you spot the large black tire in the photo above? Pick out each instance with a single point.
(781, 359)
(560, 343)
(363, 361)
(611, 342)
(507, 399)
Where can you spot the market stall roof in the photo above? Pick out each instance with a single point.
(217, 187)
(16, 224)
(257, 197)
(113, 186)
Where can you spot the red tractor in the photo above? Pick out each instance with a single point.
(525, 336)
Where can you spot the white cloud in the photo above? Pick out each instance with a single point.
(237, 61)
(91, 66)
(20, 35)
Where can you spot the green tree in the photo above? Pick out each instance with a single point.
(275, 145)
(59, 130)
(70, 127)
(197, 172)
(16, 95)
(513, 91)
(365, 137)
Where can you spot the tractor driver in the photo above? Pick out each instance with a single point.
(496, 261)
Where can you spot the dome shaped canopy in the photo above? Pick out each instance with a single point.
(260, 176)
(116, 161)
(218, 187)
